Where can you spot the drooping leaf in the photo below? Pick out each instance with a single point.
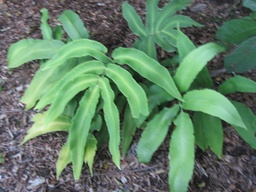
(61, 123)
(208, 132)
(42, 82)
(88, 67)
(147, 45)
(63, 160)
(67, 93)
(133, 19)
(181, 21)
(249, 118)
(129, 88)
(45, 28)
(80, 128)
(111, 116)
(152, 13)
(193, 63)
(128, 131)
(237, 84)
(155, 133)
(237, 30)
(78, 48)
(182, 153)
(31, 49)
(243, 57)
(90, 151)
(148, 68)
(73, 25)
(251, 4)
(212, 103)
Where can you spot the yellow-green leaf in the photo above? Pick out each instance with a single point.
(90, 151)
(212, 103)
(45, 28)
(63, 160)
(182, 153)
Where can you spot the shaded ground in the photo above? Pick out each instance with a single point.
(31, 167)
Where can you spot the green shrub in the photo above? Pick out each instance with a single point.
(87, 92)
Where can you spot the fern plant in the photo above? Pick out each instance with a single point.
(160, 25)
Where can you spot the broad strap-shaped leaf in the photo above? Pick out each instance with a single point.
(42, 82)
(251, 4)
(152, 13)
(181, 21)
(128, 131)
(133, 19)
(73, 25)
(148, 68)
(63, 160)
(147, 45)
(237, 84)
(69, 91)
(208, 132)
(155, 133)
(237, 30)
(169, 10)
(45, 28)
(129, 88)
(212, 103)
(170, 36)
(80, 127)
(31, 49)
(78, 48)
(249, 118)
(90, 151)
(88, 67)
(243, 57)
(61, 123)
(193, 63)
(203, 79)
(111, 116)
(182, 153)
(184, 45)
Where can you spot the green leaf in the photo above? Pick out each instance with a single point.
(71, 89)
(243, 57)
(80, 127)
(237, 84)
(129, 129)
(57, 33)
(130, 89)
(30, 49)
(45, 28)
(251, 4)
(73, 25)
(147, 45)
(152, 12)
(111, 116)
(203, 79)
(182, 153)
(90, 151)
(61, 123)
(148, 68)
(78, 48)
(208, 132)
(63, 160)
(181, 21)
(170, 35)
(169, 10)
(193, 63)
(88, 67)
(184, 45)
(237, 30)
(163, 43)
(42, 82)
(133, 19)
(212, 103)
(155, 133)
(249, 118)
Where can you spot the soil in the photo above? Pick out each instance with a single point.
(31, 167)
